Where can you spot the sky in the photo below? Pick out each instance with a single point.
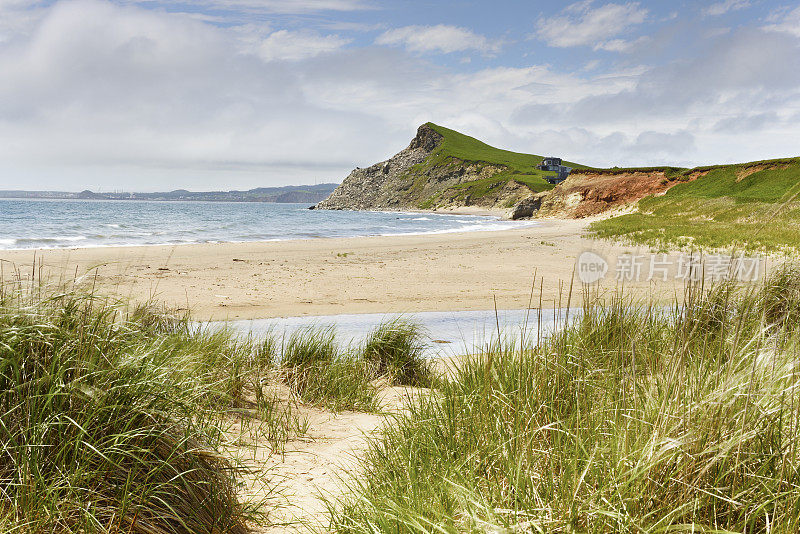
(144, 95)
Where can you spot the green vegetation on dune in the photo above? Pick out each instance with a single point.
(732, 206)
(114, 423)
(629, 420)
(142, 422)
(320, 372)
(394, 350)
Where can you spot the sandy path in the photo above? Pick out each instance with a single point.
(439, 272)
(316, 463)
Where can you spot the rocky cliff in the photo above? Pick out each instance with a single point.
(441, 168)
(385, 184)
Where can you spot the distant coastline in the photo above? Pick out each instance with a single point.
(289, 194)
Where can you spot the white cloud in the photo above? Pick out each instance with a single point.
(720, 8)
(271, 6)
(659, 144)
(621, 45)
(787, 22)
(360, 27)
(439, 38)
(97, 94)
(581, 24)
(18, 4)
(747, 122)
(590, 65)
(296, 45)
(712, 33)
(17, 17)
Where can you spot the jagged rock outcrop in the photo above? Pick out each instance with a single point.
(527, 207)
(410, 180)
(383, 185)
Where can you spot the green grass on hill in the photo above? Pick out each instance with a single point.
(725, 208)
(668, 171)
(520, 167)
(464, 147)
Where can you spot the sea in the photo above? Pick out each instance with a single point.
(54, 224)
(44, 223)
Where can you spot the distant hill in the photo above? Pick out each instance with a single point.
(308, 194)
(443, 168)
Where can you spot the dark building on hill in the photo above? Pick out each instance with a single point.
(552, 164)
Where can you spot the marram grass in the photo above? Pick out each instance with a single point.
(113, 423)
(631, 419)
(321, 373)
(395, 349)
(130, 421)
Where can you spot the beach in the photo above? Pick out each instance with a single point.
(327, 276)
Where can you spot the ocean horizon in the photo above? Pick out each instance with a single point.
(58, 224)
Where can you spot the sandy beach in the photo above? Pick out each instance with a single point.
(397, 274)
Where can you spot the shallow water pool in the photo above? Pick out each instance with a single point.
(446, 333)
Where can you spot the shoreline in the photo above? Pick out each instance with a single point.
(457, 271)
(256, 241)
(481, 214)
(467, 210)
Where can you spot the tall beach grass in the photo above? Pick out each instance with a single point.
(395, 350)
(113, 421)
(323, 372)
(320, 372)
(630, 419)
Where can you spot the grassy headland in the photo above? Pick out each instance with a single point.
(752, 206)
(442, 168)
(457, 149)
(521, 167)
